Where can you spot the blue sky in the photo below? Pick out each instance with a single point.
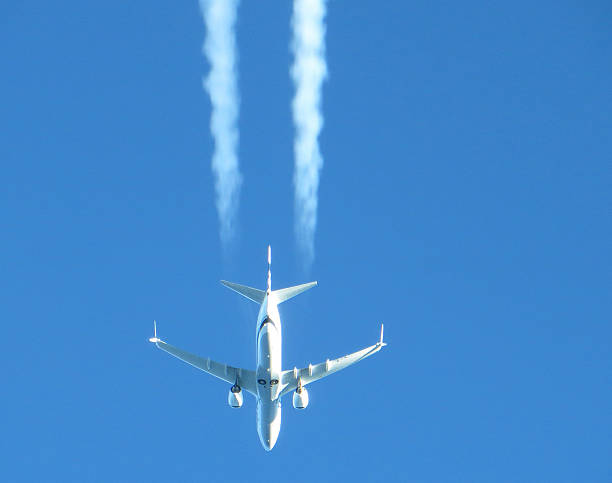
(465, 201)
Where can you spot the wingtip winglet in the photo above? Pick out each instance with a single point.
(381, 343)
(154, 339)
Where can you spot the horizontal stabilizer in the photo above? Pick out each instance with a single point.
(290, 292)
(253, 294)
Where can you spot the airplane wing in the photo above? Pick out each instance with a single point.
(244, 377)
(318, 371)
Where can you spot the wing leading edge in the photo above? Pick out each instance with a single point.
(319, 371)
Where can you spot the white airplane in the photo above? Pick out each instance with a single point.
(268, 383)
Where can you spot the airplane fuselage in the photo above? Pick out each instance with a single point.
(269, 352)
(268, 383)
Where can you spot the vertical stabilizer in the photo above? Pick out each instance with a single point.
(269, 268)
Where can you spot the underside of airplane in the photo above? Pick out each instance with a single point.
(268, 383)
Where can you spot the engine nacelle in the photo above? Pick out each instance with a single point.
(300, 398)
(234, 398)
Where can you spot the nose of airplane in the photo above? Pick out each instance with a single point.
(268, 435)
(268, 439)
(268, 424)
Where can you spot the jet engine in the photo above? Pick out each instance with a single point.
(234, 398)
(300, 398)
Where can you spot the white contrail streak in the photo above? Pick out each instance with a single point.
(308, 72)
(220, 50)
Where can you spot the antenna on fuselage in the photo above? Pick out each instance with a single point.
(269, 271)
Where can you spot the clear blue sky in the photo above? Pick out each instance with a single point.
(465, 201)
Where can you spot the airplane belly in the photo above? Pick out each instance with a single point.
(268, 361)
(268, 423)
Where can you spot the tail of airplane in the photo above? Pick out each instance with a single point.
(258, 296)
(251, 293)
(290, 292)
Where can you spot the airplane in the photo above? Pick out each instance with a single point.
(269, 382)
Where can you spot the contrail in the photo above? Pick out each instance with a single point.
(308, 72)
(220, 50)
